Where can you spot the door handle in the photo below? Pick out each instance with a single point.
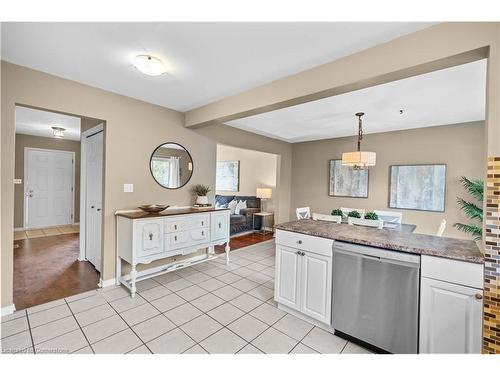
(151, 236)
(220, 225)
(299, 242)
(478, 296)
(302, 254)
(298, 253)
(92, 206)
(98, 209)
(30, 194)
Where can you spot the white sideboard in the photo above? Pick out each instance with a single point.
(143, 238)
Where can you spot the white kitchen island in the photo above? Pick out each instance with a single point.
(447, 284)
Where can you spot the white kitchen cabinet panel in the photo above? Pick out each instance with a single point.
(317, 286)
(288, 261)
(450, 317)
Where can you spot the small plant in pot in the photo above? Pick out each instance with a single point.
(201, 192)
(371, 216)
(354, 214)
(336, 212)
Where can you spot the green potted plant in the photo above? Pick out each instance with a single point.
(371, 216)
(472, 210)
(336, 212)
(201, 192)
(354, 214)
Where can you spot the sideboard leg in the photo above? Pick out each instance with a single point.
(211, 249)
(118, 273)
(133, 276)
(227, 252)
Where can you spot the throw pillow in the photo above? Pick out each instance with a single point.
(240, 206)
(232, 206)
(218, 205)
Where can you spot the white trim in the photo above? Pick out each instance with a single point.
(21, 229)
(106, 283)
(83, 187)
(7, 310)
(25, 190)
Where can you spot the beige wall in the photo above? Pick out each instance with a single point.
(128, 149)
(257, 169)
(22, 141)
(229, 136)
(460, 147)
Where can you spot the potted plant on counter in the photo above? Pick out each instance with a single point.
(370, 220)
(201, 192)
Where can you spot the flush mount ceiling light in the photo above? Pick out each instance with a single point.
(58, 132)
(359, 159)
(149, 65)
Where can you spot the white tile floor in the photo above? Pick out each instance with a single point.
(208, 308)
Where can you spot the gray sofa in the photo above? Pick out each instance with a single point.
(244, 221)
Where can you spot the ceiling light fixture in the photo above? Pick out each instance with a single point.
(359, 159)
(58, 132)
(149, 65)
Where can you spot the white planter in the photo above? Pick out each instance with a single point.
(366, 222)
(201, 199)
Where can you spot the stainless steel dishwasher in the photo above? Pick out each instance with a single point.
(375, 296)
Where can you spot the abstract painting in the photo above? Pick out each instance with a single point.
(418, 187)
(347, 181)
(228, 176)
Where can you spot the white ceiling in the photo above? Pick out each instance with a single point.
(37, 122)
(449, 96)
(205, 61)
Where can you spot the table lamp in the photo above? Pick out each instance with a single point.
(263, 194)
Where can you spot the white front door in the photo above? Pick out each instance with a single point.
(93, 201)
(48, 188)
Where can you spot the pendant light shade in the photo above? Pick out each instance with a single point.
(359, 159)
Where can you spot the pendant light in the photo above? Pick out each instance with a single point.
(359, 159)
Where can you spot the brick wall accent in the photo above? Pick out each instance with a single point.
(491, 318)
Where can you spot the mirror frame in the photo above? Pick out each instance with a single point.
(151, 171)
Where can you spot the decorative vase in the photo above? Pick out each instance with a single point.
(201, 199)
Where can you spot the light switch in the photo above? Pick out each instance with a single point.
(128, 188)
(18, 181)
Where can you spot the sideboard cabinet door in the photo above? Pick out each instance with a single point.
(149, 235)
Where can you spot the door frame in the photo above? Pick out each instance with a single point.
(83, 189)
(25, 189)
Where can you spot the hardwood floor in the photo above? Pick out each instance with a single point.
(245, 240)
(47, 269)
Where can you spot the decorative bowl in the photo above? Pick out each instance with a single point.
(153, 208)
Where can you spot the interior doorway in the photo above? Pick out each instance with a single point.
(58, 205)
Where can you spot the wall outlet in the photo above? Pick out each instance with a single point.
(128, 188)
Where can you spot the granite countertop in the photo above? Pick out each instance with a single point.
(139, 214)
(452, 248)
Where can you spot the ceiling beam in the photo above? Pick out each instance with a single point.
(437, 47)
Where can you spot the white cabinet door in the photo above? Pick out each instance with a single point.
(450, 317)
(287, 289)
(220, 222)
(149, 237)
(316, 281)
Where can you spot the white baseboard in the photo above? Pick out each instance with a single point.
(106, 283)
(7, 310)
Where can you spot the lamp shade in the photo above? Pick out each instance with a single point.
(359, 159)
(264, 193)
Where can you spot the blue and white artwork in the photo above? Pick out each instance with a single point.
(228, 176)
(418, 187)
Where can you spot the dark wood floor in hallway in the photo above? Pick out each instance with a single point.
(47, 269)
(245, 240)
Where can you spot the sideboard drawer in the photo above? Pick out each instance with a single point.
(179, 224)
(187, 238)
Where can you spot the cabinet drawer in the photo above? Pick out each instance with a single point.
(317, 245)
(453, 271)
(179, 224)
(187, 238)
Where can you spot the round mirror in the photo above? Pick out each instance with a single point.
(171, 165)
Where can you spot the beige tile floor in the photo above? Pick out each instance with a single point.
(45, 232)
(208, 308)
